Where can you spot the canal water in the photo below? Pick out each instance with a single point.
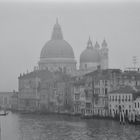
(58, 127)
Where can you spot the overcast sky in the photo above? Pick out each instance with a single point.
(26, 26)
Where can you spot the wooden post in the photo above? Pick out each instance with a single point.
(120, 117)
(123, 118)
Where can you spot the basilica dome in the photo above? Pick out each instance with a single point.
(57, 47)
(90, 54)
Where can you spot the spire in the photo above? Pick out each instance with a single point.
(57, 33)
(104, 44)
(89, 43)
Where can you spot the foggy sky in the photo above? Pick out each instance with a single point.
(26, 27)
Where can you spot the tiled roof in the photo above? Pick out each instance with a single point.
(130, 74)
(104, 74)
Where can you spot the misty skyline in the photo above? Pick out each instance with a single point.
(26, 27)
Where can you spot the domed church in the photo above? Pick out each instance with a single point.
(94, 56)
(57, 54)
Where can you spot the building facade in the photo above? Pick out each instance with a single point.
(5, 100)
(45, 91)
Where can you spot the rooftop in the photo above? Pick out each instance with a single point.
(124, 89)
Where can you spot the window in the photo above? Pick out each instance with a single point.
(112, 98)
(126, 98)
(123, 98)
(135, 105)
(105, 91)
(119, 98)
(105, 82)
(129, 98)
(136, 83)
(77, 96)
(116, 98)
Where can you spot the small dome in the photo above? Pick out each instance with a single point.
(90, 54)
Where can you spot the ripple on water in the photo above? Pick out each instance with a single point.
(56, 127)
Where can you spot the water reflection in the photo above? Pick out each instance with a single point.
(56, 127)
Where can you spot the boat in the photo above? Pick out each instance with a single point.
(4, 113)
(86, 116)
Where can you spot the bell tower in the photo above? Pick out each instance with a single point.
(104, 55)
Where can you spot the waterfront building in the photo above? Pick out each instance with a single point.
(91, 91)
(60, 99)
(101, 83)
(29, 86)
(5, 100)
(136, 105)
(101, 89)
(88, 100)
(45, 91)
(124, 99)
(78, 95)
(14, 101)
(57, 54)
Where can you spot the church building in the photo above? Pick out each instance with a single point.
(57, 54)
